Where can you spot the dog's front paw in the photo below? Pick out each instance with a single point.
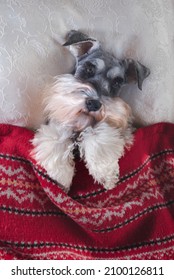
(109, 176)
(101, 148)
(110, 183)
(53, 151)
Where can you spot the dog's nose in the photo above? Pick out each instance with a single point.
(93, 105)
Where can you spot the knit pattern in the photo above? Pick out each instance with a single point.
(38, 220)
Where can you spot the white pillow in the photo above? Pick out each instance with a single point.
(30, 54)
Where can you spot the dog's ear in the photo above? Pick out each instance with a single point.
(135, 71)
(80, 43)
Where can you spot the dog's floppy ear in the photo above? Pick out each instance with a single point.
(135, 71)
(80, 43)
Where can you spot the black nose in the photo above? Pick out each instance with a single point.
(93, 105)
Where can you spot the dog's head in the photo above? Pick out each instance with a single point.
(106, 73)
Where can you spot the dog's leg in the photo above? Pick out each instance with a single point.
(53, 150)
(101, 148)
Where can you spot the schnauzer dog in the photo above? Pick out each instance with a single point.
(84, 111)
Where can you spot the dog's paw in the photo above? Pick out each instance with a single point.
(101, 148)
(105, 173)
(54, 153)
(63, 177)
(110, 183)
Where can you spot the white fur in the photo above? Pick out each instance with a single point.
(53, 151)
(101, 136)
(101, 148)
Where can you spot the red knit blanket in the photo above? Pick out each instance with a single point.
(135, 220)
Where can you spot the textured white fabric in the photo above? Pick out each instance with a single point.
(30, 54)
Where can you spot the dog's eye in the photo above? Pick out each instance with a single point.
(90, 69)
(117, 82)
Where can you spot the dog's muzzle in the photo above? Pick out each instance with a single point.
(93, 105)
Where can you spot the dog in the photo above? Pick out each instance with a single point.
(84, 112)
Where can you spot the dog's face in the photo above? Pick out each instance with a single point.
(76, 105)
(101, 69)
